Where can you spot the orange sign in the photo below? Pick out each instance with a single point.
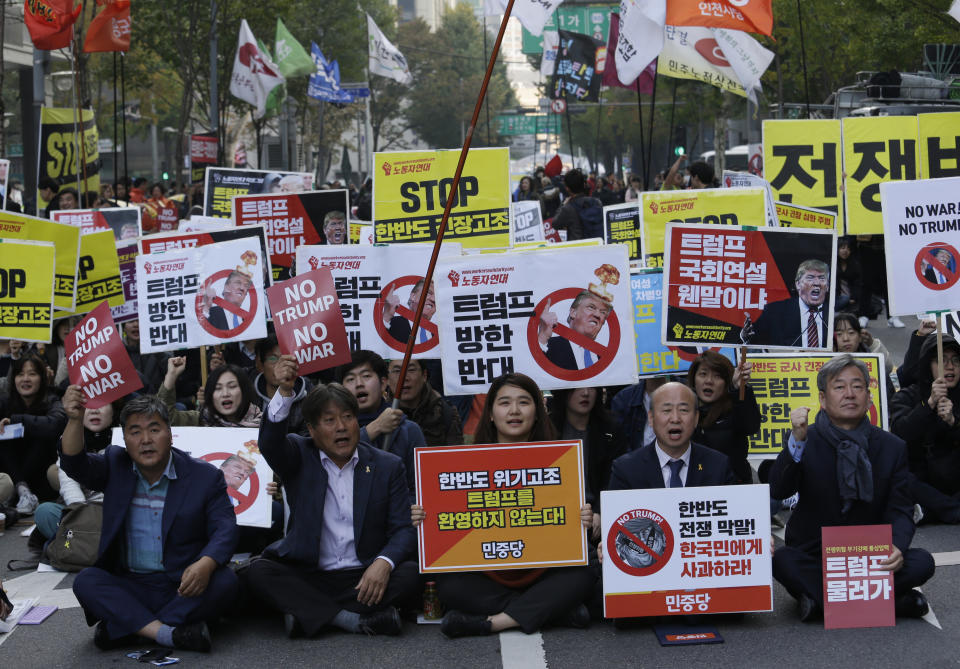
(501, 506)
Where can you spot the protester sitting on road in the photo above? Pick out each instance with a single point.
(436, 418)
(229, 399)
(267, 352)
(849, 337)
(481, 603)
(631, 408)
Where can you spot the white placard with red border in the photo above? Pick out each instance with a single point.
(682, 551)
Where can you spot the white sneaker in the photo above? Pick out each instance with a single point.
(917, 514)
(28, 502)
(864, 321)
(790, 502)
(895, 323)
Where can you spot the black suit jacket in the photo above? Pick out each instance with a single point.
(640, 469)
(779, 325)
(560, 353)
(218, 318)
(400, 329)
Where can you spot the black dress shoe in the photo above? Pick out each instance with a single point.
(457, 623)
(809, 609)
(911, 604)
(578, 617)
(385, 621)
(103, 641)
(292, 626)
(192, 637)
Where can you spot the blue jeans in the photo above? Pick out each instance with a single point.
(47, 517)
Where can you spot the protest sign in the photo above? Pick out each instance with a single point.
(361, 232)
(123, 221)
(4, 176)
(731, 179)
(222, 184)
(308, 321)
(160, 215)
(127, 258)
(653, 358)
(207, 295)
(174, 241)
(526, 221)
(681, 551)
(715, 206)
(734, 286)
(61, 154)
(783, 382)
(857, 591)
(197, 223)
(235, 452)
(500, 506)
(621, 225)
(295, 219)
(66, 240)
(921, 238)
(801, 160)
(560, 315)
(411, 188)
(98, 272)
(875, 149)
(378, 294)
(26, 290)
(939, 141)
(795, 216)
(97, 360)
(203, 154)
(577, 76)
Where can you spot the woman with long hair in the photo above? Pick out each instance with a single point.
(229, 398)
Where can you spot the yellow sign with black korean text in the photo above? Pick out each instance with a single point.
(26, 289)
(939, 140)
(61, 155)
(98, 274)
(795, 216)
(66, 240)
(411, 188)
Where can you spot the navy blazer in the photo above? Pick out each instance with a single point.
(381, 500)
(198, 518)
(640, 469)
(560, 353)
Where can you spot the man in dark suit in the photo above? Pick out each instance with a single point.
(398, 326)
(235, 292)
(346, 557)
(847, 472)
(168, 531)
(799, 321)
(587, 315)
(933, 273)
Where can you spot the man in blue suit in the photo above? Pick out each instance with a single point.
(346, 558)
(168, 531)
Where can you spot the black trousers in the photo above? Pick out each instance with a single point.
(314, 597)
(800, 572)
(550, 598)
(936, 505)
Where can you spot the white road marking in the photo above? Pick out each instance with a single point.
(947, 559)
(40, 586)
(522, 651)
(931, 617)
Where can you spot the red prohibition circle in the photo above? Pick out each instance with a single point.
(927, 253)
(244, 501)
(603, 360)
(388, 339)
(246, 315)
(659, 560)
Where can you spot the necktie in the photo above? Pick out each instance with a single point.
(422, 335)
(587, 358)
(675, 467)
(236, 320)
(813, 337)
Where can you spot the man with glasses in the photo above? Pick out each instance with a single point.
(267, 354)
(847, 472)
(797, 321)
(438, 420)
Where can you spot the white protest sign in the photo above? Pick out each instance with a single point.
(733, 179)
(526, 224)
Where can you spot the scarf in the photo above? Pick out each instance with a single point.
(250, 419)
(854, 471)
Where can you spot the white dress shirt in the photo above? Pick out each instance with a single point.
(665, 464)
(818, 319)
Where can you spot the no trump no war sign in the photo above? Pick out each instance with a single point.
(97, 360)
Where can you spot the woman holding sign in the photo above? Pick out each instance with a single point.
(229, 399)
(481, 603)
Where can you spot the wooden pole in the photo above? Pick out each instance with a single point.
(742, 365)
(939, 348)
(203, 366)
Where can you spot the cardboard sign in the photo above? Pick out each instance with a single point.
(939, 141)
(97, 360)
(727, 285)
(26, 290)
(921, 239)
(66, 240)
(782, 383)
(123, 221)
(795, 216)
(731, 179)
(680, 551)
(98, 273)
(127, 257)
(505, 312)
(856, 592)
(411, 188)
(308, 322)
(621, 225)
(222, 184)
(500, 506)
(526, 221)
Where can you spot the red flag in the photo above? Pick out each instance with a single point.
(752, 16)
(110, 29)
(610, 76)
(553, 167)
(50, 22)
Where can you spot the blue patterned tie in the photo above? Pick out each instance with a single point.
(675, 467)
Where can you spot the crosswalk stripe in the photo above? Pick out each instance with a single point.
(522, 651)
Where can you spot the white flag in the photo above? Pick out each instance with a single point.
(641, 36)
(494, 7)
(551, 41)
(746, 56)
(254, 73)
(954, 10)
(532, 14)
(386, 59)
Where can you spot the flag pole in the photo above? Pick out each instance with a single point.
(643, 157)
(653, 115)
(428, 277)
(123, 125)
(116, 170)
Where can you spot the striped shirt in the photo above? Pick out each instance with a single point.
(144, 523)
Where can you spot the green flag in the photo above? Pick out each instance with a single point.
(292, 59)
(276, 96)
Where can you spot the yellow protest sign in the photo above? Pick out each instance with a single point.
(61, 154)
(98, 275)
(875, 149)
(939, 139)
(529, 246)
(801, 160)
(26, 289)
(795, 216)
(66, 240)
(717, 206)
(411, 188)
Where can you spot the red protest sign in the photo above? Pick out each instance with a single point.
(308, 321)
(856, 591)
(97, 360)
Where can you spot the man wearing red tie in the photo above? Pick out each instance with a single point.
(800, 321)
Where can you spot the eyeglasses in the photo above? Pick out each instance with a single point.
(952, 360)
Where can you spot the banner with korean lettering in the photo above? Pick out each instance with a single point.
(379, 288)
(123, 221)
(621, 225)
(500, 506)
(295, 219)
(222, 184)
(560, 315)
(127, 257)
(794, 216)
(939, 140)
(712, 206)
(769, 288)
(875, 149)
(207, 295)
(782, 382)
(653, 358)
(411, 188)
(61, 154)
(98, 274)
(27, 279)
(66, 240)
(203, 154)
(526, 221)
(682, 551)
(97, 359)
(857, 590)
(802, 162)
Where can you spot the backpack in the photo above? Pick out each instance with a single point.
(77, 541)
(590, 211)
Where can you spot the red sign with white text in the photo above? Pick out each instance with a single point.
(97, 360)
(856, 591)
